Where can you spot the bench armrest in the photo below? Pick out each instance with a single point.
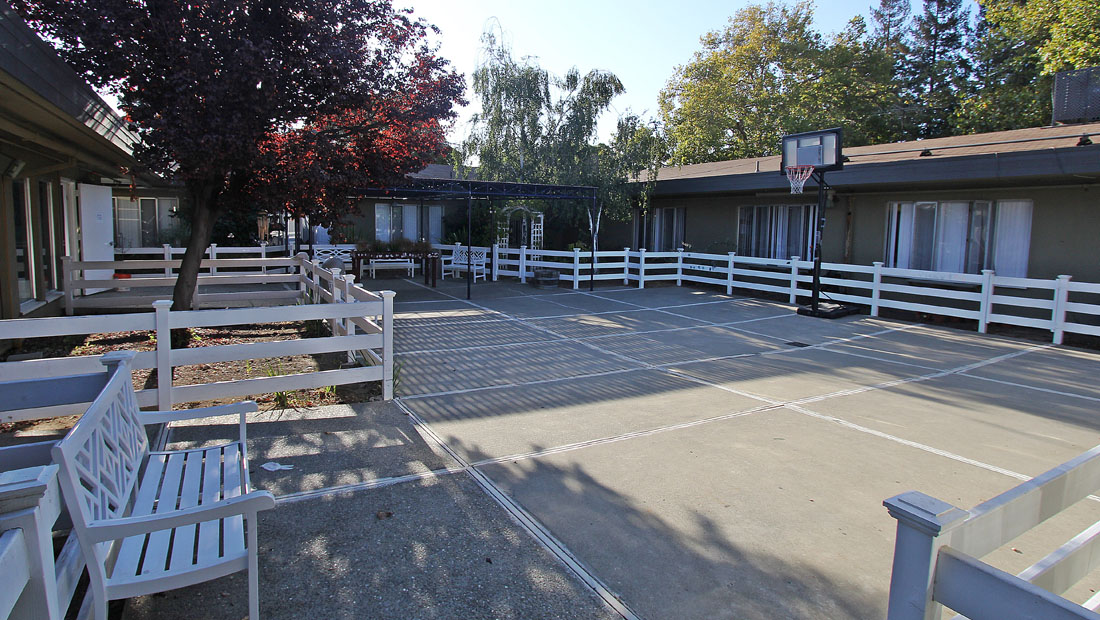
(115, 529)
(160, 417)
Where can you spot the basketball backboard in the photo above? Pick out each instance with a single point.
(820, 149)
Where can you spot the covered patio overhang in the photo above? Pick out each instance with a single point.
(487, 193)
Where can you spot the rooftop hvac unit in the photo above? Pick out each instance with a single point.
(1077, 96)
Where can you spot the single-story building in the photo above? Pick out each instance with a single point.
(62, 150)
(1024, 203)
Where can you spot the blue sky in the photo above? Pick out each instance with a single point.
(642, 42)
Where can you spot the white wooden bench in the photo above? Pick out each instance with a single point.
(461, 259)
(150, 521)
(392, 263)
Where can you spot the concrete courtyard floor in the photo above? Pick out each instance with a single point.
(676, 451)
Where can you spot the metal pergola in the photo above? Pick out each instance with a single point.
(488, 191)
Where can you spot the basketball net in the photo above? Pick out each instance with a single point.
(797, 175)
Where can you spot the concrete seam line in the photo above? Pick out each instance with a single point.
(561, 294)
(646, 366)
(512, 385)
(524, 456)
(906, 442)
(536, 318)
(376, 483)
(528, 522)
(599, 337)
(1032, 387)
(875, 358)
(661, 309)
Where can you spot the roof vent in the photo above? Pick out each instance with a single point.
(1077, 96)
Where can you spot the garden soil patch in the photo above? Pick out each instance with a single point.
(98, 344)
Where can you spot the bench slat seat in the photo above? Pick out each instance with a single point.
(176, 521)
(173, 480)
(392, 263)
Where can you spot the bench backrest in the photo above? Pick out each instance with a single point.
(461, 256)
(101, 457)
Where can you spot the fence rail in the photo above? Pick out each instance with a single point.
(938, 545)
(361, 323)
(1059, 305)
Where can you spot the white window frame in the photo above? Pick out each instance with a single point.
(164, 206)
(1001, 237)
(677, 240)
(773, 222)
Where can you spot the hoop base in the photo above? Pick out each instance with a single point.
(826, 310)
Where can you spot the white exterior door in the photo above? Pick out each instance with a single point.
(97, 229)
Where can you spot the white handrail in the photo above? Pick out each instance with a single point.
(938, 546)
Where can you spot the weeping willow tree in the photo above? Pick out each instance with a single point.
(535, 127)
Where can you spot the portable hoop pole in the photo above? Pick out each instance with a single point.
(469, 244)
(819, 226)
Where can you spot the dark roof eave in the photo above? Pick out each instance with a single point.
(1058, 165)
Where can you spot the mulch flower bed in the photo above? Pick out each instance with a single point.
(98, 344)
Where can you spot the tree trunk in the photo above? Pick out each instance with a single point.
(202, 227)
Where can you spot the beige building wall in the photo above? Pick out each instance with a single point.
(1065, 228)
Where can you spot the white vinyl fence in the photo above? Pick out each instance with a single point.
(361, 324)
(79, 281)
(1059, 305)
(167, 252)
(938, 549)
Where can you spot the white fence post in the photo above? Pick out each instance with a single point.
(987, 300)
(1061, 297)
(496, 260)
(263, 255)
(349, 327)
(162, 309)
(923, 522)
(679, 265)
(729, 274)
(302, 257)
(334, 325)
(523, 264)
(876, 283)
(577, 267)
(213, 256)
(67, 283)
(168, 256)
(641, 268)
(387, 345)
(626, 266)
(794, 279)
(30, 501)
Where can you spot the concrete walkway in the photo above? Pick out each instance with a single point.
(684, 453)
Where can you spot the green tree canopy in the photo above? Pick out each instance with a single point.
(539, 128)
(1067, 32)
(208, 84)
(768, 74)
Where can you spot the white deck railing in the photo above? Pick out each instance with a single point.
(938, 546)
(1059, 305)
(361, 324)
(167, 252)
(38, 583)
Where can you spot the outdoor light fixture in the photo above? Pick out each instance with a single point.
(15, 168)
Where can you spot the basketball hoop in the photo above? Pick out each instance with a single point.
(798, 175)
